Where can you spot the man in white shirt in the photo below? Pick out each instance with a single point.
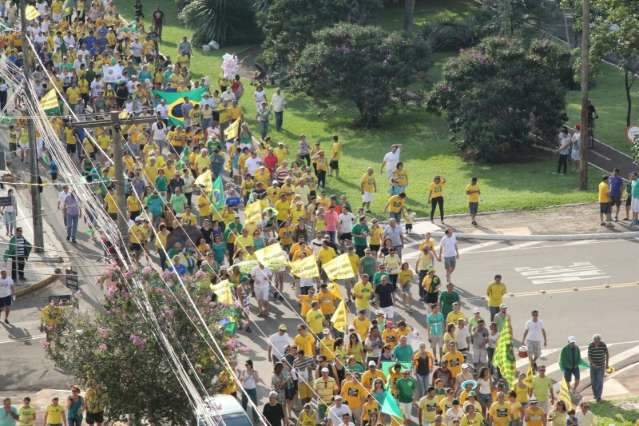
(533, 335)
(448, 247)
(585, 416)
(253, 163)
(162, 110)
(277, 104)
(337, 410)
(278, 342)
(7, 294)
(345, 225)
(261, 285)
(390, 160)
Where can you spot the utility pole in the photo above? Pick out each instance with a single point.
(116, 122)
(585, 102)
(36, 204)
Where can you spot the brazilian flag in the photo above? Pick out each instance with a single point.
(174, 101)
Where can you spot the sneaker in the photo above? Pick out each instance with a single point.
(603, 223)
(474, 223)
(6, 320)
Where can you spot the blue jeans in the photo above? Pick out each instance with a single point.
(597, 381)
(72, 226)
(263, 128)
(422, 385)
(279, 120)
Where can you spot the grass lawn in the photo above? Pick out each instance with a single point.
(426, 151)
(392, 17)
(617, 413)
(609, 98)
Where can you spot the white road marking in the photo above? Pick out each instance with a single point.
(518, 246)
(479, 246)
(577, 271)
(23, 339)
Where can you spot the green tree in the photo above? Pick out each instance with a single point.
(225, 21)
(363, 64)
(614, 35)
(288, 25)
(496, 96)
(118, 350)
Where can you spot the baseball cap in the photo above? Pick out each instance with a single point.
(282, 327)
(338, 397)
(503, 306)
(324, 370)
(371, 363)
(572, 339)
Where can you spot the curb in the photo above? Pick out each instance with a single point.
(37, 286)
(551, 237)
(586, 383)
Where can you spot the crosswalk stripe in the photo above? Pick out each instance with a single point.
(479, 246)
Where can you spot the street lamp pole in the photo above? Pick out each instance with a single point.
(585, 102)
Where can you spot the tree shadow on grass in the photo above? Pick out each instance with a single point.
(616, 411)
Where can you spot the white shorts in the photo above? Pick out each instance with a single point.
(261, 293)
(367, 197)
(480, 356)
(406, 408)
(389, 312)
(634, 205)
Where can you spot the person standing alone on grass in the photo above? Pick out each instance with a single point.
(436, 197)
(472, 191)
(448, 247)
(615, 183)
(278, 103)
(565, 142)
(336, 153)
(604, 201)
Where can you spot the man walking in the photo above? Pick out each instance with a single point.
(18, 251)
(615, 185)
(495, 292)
(569, 361)
(598, 358)
(533, 335)
(448, 246)
(263, 117)
(565, 142)
(277, 104)
(7, 294)
(390, 160)
(72, 215)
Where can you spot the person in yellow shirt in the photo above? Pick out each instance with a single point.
(515, 408)
(390, 335)
(605, 209)
(327, 345)
(362, 292)
(203, 206)
(471, 417)
(26, 413)
(54, 413)
(326, 253)
(133, 206)
(315, 318)
(305, 341)
(395, 206)
(111, 205)
(327, 301)
(454, 358)
(534, 415)
(336, 154)
(427, 407)
(308, 416)
(455, 315)
(495, 293)
(362, 324)
(305, 301)
(368, 187)
(499, 411)
(353, 393)
(281, 152)
(436, 196)
(472, 191)
(319, 161)
(372, 374)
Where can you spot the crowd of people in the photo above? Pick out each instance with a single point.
(334, 370)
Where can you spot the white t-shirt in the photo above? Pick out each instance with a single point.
(162, 111)
(346, 222)
(260, 96)
(461, 337)
(449, 244)
(158, 134)
(6, 284)
(279, 343)
(587, 419)
(278, 103)
(336, 413)
(535, 330)
(261, 276)
(252, 164)
(62, 196)
(391, 159)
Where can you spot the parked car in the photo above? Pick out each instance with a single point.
(226, 407)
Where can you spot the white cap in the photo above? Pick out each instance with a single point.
(572, 339)
(371, 363)
(324, 370)
(476, 310)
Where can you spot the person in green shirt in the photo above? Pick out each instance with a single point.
(406, 386)
(26, 413)
(377, 276)
(447, 298)
(368, 264)
(570, 361)
(178, 201)
(360, 232)
(161, 182)
(230, 233)
(403, 352)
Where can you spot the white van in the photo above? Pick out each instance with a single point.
(224, 410)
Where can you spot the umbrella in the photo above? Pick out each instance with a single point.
(183, 235)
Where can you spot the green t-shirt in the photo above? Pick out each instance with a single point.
(178, 202)
(359, 229)
(377, 277)
(26, 416)
(447, 299)
(405, 389)
(161, 183)
(369, 265)
(403, 353)
(541, 388)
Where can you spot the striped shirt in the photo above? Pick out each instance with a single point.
(598, 354)
(20, 246)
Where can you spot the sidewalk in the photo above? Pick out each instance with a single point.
(558, 220)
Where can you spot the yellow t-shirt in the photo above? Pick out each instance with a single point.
(362, 293)
(307, 418)
(367, 183)
(305, 343)
(395, 204)
(522, 392)
(336, 151)
(326, 254)
(495, 293)
(477, 420)
(362, 326)
(327, 301)
(368, 377)
(376, 234)
(455, 361)
(26, 416)
(353, 393)
(429, 410)
(604, 191)
(500, 413)
(473, 197)
(54, 414)
(203, 205)
(112, 206)
(534, 416)
(437, 189)
(315, 320)
(132, 204)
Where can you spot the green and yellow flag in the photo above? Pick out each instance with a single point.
(49, 103)
(174, 101)
(564, 394)
(504, 357)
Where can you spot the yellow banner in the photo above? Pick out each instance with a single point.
(31, 13)
(204, 181)
(334, 289)
(305, 268)
(340, 317)
(339, 268)
(253, 212)
(246, 266)
(233, 131)
(273, 257)
(49, 101)
(224, 292)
